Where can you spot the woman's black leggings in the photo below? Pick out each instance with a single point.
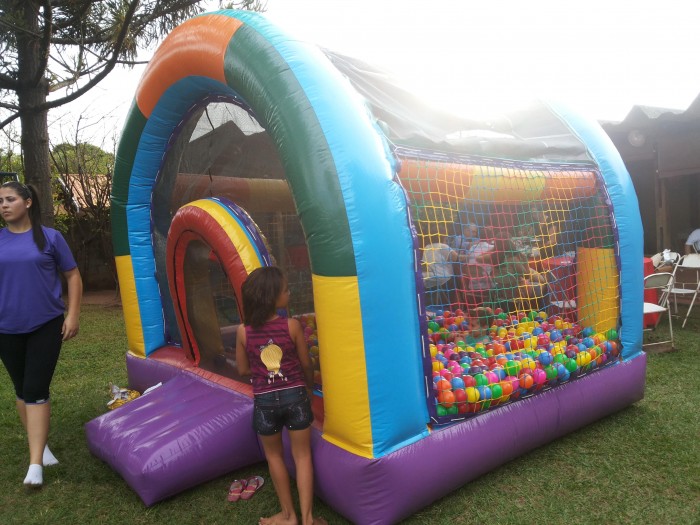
(31, 359)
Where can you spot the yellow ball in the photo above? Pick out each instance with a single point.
(437, 366)
(472, 394)
(433, 350)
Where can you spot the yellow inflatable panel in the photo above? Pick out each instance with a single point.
(347, 421)
(239, 238)
(598, 283)
(497, 184)
(130, 305)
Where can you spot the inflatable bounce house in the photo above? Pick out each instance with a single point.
(470, 290)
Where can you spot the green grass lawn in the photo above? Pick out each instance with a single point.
(641, 465)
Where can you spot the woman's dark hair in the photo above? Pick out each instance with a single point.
(27, 191)
(260, 292)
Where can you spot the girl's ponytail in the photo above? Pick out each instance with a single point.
(35, 218)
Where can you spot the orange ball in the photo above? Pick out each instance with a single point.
(446, 398)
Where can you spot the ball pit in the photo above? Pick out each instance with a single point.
(517, 356)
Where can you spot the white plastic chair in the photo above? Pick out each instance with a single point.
(662, 281)
(687, 262)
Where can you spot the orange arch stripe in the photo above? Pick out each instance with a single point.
(194, 48)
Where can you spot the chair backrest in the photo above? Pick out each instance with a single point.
(659, 281)
(691, 260)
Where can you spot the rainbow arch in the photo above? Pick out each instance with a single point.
(340, 197)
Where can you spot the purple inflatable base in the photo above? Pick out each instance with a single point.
(388, 489)
(366, 491)
(184, 433)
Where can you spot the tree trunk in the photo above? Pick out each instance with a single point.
(31, 94)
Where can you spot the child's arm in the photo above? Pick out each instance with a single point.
(297, 334)
(242, 362)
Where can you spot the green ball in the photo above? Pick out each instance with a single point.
(481, 380)
(561, 358)
(453, 410)
(571, 365)
(433, 326)
(441, 410)
(496, 392)
(551, 372)
(611, 334)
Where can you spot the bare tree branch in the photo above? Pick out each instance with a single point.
(108, 68)
(9, 119)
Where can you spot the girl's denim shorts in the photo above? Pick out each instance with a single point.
(290, 408)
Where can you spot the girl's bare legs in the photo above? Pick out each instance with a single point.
(48, 458)
(274, 454)
(301, 451)
(35, 419)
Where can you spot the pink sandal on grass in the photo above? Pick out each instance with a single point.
(236, 490)
(252, 486)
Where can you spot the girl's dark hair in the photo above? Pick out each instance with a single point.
(260, 292)
(27, 191)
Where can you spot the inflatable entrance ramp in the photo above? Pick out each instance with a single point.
(148, 439)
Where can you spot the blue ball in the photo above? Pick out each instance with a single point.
(457, 383)
(588, 331)
(537, 331)
(484, 392)
(545, 358)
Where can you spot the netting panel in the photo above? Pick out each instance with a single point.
(520, 275)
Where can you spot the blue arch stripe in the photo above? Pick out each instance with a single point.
(151, 152)
(628, 222)
(238, 215)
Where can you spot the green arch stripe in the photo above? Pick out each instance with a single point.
(126, 153)
(255, 70)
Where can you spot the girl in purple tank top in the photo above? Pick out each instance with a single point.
(273, 351)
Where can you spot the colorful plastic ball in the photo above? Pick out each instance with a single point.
(545, 358)
(484, 392)
(473, 394)
(457, 383)
(571, 365)
(500, 372)
(611, 334)
(441, 410)
(481, 379)
(551, 373)
(526, 381)
(587, 332)
(437, 366)
(539, 376)
(468, 381)
(492, 377)
(432, 325)
(496, 392)
(588, 342)
(561, 370)
(512, 368)
(446, 398)
(506, 389)
(443, 385)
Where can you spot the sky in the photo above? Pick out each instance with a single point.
(476, 57)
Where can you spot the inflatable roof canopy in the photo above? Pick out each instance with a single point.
(443, 268)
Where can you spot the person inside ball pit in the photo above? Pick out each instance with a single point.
(515, 284)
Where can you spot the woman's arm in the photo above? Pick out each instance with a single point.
(71, 325)
(302, 351)
(242, 362)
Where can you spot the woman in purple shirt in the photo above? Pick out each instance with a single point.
(32, 322)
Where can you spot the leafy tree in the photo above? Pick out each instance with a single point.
(53, 45)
